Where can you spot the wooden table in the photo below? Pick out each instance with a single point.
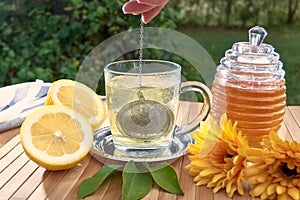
(20, 178)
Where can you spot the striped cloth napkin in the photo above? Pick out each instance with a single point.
(18, 101)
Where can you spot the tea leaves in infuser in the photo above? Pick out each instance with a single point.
(140, 114)
(145, 119)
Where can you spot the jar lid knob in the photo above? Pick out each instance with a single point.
(257, 35)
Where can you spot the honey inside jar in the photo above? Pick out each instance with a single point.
(249, 87)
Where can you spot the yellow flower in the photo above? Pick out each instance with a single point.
(218, 157)
(275, 170)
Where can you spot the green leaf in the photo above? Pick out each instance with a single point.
(136, 183)
(90, 185)
(166, 177)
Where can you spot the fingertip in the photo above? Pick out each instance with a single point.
(132, 7)
(124, 9)
(145, 20)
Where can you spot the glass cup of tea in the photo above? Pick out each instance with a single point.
(143, 99)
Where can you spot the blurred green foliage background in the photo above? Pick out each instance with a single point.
(49, 39)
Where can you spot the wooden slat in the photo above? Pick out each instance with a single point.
(153, 194)
(284, 132)
(64, 186)
(48, 185)
(114, 188)
(8, 135)
(12, 169)
(221, 195)
(193, 113)
(16, 181)
(186, 181)
(203, 191)
(92, 167)
(292, 125)
(295, 111)
(9, 146)
(182, 113)
(164, 195)
(10, 157)
(177, 166)
(33, 181)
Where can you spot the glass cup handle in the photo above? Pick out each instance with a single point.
(194, 86)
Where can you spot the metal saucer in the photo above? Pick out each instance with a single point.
(104, 150)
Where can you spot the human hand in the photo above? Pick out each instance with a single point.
(147, 8)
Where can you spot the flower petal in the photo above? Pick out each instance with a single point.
(209, 171)
(218, 177)
(232, 190)
(229, 184)
(223, 165)
(284, 196)
(280, 189)
(200, 164)
(234, 171)
(271, 189)
(202, 182)
(257, 178)
(259, 189)
(251, 170)
(294, 193)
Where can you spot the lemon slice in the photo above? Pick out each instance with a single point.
(79, 97)
(56, 137)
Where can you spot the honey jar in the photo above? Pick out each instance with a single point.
(249, 86)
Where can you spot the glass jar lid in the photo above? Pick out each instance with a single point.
(254, 51)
